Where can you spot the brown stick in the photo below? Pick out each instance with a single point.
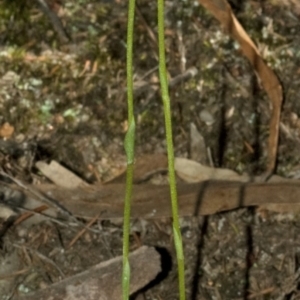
(55, 21)
(152, 201)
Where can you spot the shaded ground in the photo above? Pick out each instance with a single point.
(67, 102)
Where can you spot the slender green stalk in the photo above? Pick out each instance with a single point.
(168, 126)
(129, 148)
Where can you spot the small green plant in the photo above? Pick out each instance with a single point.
(129, 148)
(168, 127)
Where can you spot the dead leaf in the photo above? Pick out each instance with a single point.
(192, 171)
(197, 145)
(59, 175)
(6, 130)
(222, 11)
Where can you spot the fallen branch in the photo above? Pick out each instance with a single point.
(152, 201)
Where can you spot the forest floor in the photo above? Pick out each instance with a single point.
(67, 102)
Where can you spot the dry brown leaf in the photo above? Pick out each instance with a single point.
(192, 171)
(59, 175)
(6, 130)
(197, 145)
(222, 11)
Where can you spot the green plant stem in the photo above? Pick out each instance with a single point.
(168, 126)
(129, 148)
